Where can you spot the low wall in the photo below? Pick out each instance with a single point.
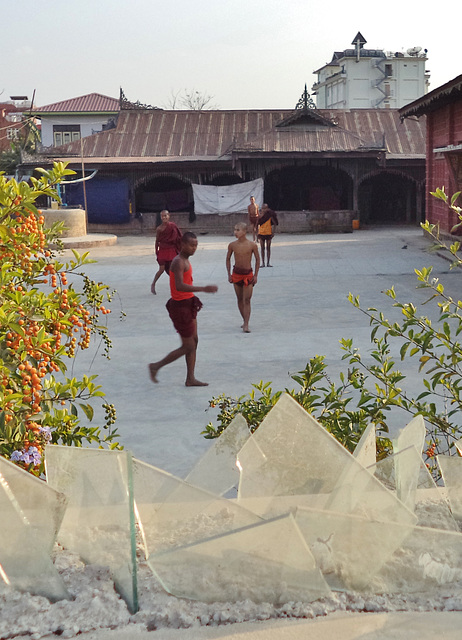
(289, 222)
(74, 221)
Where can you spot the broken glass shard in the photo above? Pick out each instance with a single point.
(42, 506)
(31, 514)
(269, 562)
(349, 550)
(359, 492)
(429, 560)
(413, 434)
(290, 454)
(99, 523)
(216, 471)
(451, 471)
(407, 475)
(174, 513)
(366, 450)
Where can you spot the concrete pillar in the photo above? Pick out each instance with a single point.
(74, 221)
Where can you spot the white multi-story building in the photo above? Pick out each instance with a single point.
(360, 78)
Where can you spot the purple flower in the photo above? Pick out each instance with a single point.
(29, 456)
(46, 433)
(34, 456)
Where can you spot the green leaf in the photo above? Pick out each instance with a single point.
(88, 410)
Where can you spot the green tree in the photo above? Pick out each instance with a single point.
(433, 230)
(44, 320)
(10, 159)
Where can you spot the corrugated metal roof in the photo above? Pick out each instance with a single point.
(89, 103)
(189, 134)
(406, 137)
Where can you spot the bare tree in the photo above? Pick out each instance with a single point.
(173, 100)
(190, 99)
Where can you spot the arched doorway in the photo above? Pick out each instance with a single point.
(388, 198)
(163, 192)
(308, 188)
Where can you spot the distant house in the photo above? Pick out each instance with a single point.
(70, 120)
(365, 161)
(12, 121)
(442, 109)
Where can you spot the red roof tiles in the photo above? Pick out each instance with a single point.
(89, 103)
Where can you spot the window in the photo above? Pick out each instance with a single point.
(13, 117)
(65, 133)
(12, 134)
(388, 70)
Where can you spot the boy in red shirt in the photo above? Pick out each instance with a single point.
(182, 308)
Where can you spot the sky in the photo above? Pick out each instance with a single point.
(244, 54)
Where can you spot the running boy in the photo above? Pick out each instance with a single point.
(182, 308)
(242, 276)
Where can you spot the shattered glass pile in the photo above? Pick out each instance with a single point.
(308, 517)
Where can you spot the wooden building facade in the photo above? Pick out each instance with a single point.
(367, 162)
(442, 109)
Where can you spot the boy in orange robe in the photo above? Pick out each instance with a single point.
(266, 223)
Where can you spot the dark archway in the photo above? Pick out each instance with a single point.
(388, 198)
(308, 188)
(163, 192)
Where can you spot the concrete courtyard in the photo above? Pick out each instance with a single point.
(299, 309)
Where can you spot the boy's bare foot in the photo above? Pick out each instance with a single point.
(262, 264)
(196, 383)
(153, 288)
(246, 329)
(269, 265)
(153, 372)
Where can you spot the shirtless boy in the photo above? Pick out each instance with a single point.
(242, 276)
(182, 308)
(252, 210)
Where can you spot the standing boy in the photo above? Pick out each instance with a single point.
(167, 246)
(252, 210)
(242, 276)
(182, 308)
(266, 223)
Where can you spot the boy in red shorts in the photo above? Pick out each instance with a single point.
(182, 308)
(242, 276)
